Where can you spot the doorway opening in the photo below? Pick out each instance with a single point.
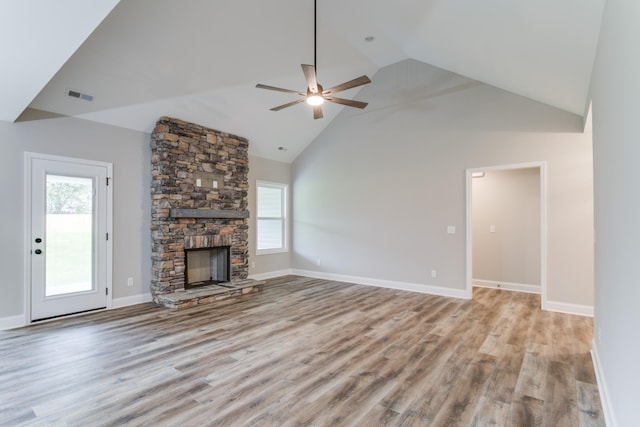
(506, 228)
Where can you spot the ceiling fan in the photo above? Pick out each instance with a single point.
(316, 95)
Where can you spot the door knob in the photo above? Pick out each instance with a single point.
(38, 251)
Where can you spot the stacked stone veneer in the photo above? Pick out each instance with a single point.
(178, 151)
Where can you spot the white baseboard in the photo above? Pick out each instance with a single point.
(568, 308)
(605, 400)
(19, 321)
(560, 307)
(402, 286)
(132, 300)
(12, 322)
(516, 287)
(271, 274)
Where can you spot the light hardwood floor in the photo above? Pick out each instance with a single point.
(307, 352)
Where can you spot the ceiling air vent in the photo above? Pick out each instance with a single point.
(72, 93)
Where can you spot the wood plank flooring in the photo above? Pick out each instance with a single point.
(307, 352)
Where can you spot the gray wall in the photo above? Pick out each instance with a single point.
(616, 137)
(127, 150)
(130, 154)
(375, 192)
(261, 169)
(510, 202)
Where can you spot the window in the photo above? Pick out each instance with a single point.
(271, 219)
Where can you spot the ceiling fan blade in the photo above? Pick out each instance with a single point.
(317, 112)
(310, 74)
(347, 102)
(362, 80)
(279, 89)
(288, 104)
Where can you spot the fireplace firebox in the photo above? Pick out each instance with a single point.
(207, 266)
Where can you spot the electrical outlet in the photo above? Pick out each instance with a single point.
(434, 273)
(130, 281)
(253, 264)
(318, 262)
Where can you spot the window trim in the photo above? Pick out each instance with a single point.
(285, 221)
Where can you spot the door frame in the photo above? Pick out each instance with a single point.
(542, 166)
(28, 157)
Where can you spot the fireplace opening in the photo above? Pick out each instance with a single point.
(207, 266)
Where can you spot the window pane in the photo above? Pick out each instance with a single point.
(271, 221)
(270, 202)
(69, 235)
(270, 235)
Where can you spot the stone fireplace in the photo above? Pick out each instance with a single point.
(199, 201)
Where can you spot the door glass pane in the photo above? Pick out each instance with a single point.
(69, 235)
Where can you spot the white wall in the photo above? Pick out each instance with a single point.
(261, 169)
(375, 192)
(615, 93)
(127, 150)
(508, 201)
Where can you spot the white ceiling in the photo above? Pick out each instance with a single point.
(199, 60)
(38, 36)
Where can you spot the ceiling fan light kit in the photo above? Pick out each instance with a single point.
(316, 95)
(315, 99)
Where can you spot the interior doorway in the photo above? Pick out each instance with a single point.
(507, 263)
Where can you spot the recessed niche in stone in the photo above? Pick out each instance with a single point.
(207, 266)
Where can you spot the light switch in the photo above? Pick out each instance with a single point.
(451, 229)
(198, 182)
(215, 183)
(492, 229)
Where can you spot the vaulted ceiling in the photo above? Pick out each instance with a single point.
(199, 60)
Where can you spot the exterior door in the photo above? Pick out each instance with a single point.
(69, 241)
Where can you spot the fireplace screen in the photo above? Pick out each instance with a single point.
(207, 266)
